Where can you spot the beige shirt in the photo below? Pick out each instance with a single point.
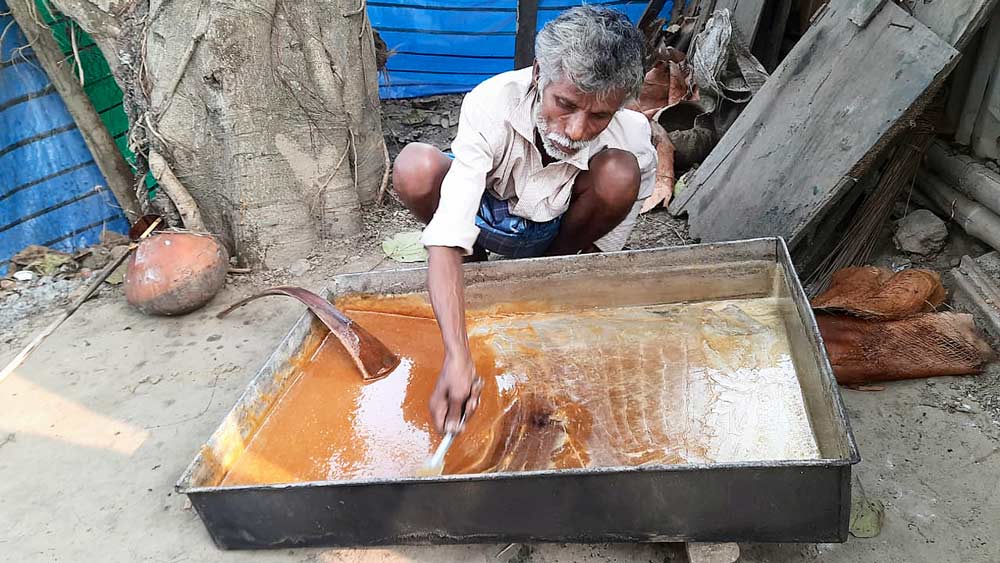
(495, 150)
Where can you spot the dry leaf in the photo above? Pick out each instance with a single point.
(663, 190)
(405, 247)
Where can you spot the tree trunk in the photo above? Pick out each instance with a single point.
(266, 111)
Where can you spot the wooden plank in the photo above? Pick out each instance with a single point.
(768, 44)
(863, 11)
(986, 134)
(956, 22)
(650, 14)
(527, 26)
(746, 16)
(959, 82)
(112, 165)
(835, 98)
(989, 53)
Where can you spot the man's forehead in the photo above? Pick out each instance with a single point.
(565, 88)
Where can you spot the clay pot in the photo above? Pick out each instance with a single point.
(175, 273)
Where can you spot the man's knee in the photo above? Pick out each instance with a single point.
(617, 178)
(414, 169)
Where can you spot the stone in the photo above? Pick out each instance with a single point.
(712, 552)
(921, 232)
(299, 267)
(24, 275)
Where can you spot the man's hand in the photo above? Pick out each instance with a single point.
(456, 394)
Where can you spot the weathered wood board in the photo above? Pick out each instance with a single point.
(767, 45)
(792, 152)
(985, 138)
(958, 92)
(957, 21)
(863, 11)
(975, 91)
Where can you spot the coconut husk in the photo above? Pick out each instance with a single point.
(877, 293)
(925, 345)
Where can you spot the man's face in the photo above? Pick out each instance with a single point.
(568, 119)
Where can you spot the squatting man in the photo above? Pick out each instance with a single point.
(546, 161)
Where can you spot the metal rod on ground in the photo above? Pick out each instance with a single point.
(976, 219)
(94, 284)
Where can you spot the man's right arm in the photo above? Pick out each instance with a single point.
(449, 236)
(454, 394)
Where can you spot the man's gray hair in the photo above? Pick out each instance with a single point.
(598, 49)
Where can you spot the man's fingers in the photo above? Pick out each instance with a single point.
(456, 404)
(438, 408)
(473, 403)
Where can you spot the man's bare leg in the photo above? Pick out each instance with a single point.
(417, 175)
(602, 197)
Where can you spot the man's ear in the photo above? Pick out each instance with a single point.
(534, 73)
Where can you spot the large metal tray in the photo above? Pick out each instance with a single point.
(757, 501)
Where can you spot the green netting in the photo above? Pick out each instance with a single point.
(98, 83)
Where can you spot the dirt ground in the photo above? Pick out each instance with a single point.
(97, 426)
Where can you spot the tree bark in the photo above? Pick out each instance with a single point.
(266, 111)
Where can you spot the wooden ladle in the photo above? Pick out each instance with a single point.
(372, 357)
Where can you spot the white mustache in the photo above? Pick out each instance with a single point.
(566, 142)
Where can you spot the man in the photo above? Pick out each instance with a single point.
(546, 162)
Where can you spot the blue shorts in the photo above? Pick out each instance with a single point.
(510, 235)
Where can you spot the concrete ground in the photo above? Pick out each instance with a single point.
(98, 425)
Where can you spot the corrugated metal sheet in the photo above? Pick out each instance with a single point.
(450, 46)
(51, 191)
(99, 84)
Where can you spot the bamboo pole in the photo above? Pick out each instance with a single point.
(975, 219)
(966, 174)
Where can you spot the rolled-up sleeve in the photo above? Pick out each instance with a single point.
(646, 156)
(454, 222)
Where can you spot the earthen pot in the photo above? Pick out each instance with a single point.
(175, 273)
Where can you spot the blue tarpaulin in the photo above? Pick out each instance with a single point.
(51, 191)
(450, 46)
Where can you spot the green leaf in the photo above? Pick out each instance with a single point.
(405, 247)
(866, 517)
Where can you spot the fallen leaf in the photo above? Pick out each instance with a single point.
(669, 82)
(118, 276)
(866, 517)
(405, 247)
(41, 259)
(663, 189)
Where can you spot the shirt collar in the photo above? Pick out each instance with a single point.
(521, 119)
